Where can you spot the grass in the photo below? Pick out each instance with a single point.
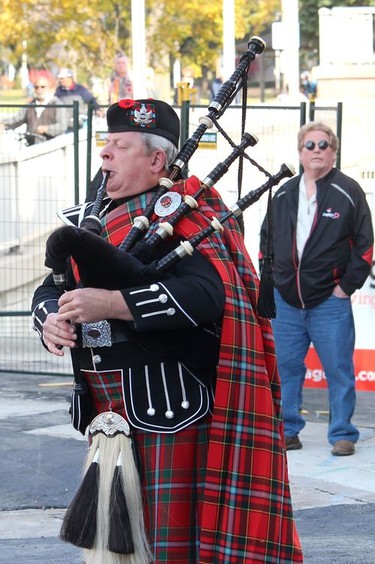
(13, 96)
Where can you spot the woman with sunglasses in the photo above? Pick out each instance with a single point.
(322, 248)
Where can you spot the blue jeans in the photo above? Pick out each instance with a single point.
(330, 328)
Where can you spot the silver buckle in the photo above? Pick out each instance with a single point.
(96, 334)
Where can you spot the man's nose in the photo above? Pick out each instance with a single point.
(105, 153)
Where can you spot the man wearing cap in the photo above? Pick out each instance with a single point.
(180, 370)
(70, 91)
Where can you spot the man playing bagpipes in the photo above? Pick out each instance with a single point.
(175, 372)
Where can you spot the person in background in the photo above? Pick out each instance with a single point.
(181, 359)
(70, 91)
(216, 84)
(121, 85)
(308, 86)
(44, 119)
(322, 247)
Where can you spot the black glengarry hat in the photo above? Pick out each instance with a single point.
(144, 116)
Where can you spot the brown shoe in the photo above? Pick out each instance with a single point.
(292, 443)
(343, 448)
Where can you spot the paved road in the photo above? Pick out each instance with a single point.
(41, 460)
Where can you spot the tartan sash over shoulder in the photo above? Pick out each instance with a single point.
(247, 514)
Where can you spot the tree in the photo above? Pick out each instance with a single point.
(70, 32)
(65, 32)
(86, 35)
(193, 31)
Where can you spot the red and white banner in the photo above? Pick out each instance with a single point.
(363, 301)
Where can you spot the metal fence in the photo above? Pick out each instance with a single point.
(36, 181)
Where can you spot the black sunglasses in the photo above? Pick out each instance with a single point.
(323, 145)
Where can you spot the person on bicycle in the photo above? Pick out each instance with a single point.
(43, 117)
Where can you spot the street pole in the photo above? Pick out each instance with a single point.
(229, 50)
(290, 54)
(24, 70)
(138, 48)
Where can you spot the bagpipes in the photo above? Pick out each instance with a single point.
(125, 267)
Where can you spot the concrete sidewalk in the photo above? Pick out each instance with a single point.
(41, 460)
(334, 498)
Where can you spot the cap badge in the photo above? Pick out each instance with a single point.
(167, 204)
(143, 116)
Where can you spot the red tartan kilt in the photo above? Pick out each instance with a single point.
(173, 476)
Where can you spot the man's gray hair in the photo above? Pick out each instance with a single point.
(317, 126)
(154, 142)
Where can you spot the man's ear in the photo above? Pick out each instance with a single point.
(158, 161)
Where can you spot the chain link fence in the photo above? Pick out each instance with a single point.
(38, 180)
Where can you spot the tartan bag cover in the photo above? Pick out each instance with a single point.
(247, 513)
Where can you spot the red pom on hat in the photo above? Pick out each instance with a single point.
(126, 103)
